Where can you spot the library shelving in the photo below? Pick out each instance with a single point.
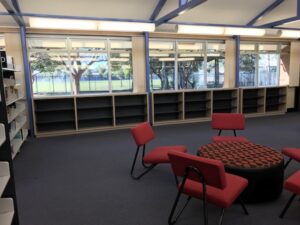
(13, 98)
(197, 105)
(276, 98)
(167, 107)
(225, 101)
(85, 113)
(263, 101)
(8, 201)
(252, 101)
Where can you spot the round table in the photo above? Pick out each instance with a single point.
(261, 165)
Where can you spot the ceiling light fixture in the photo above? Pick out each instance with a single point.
(290, 34)
(244, 31)
(65, 24)
(206, 30)
(126, 26)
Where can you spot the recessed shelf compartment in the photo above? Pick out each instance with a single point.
(167, 106)
(93, 102)
(252, 100)
(225, 101)
(130, 109)
(15, 110)
(16, 126)
(197, 104)
(6, 211)
(276, 99)
(55, 104)
(4, 175)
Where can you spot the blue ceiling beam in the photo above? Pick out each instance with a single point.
(265, 12)
(182, 2)
(12, 11)
(189, 5)
(157, 9)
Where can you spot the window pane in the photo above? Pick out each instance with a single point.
(191, 71)
(53, 44)
(88, 45)
(215, 65)
(121, 72)
(268, 69)
(162, 71)
(247, 70)
(284, 65)
(162, 65)
(50, 73)
(120, 45)
(89, 71)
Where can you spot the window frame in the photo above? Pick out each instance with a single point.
(69, 50)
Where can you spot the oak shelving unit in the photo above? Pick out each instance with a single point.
(197, 105)
(276, 99)
(225, 101)
(167, 107)
(252, 101)
(75, 114)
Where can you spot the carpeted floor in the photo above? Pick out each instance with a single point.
(84, 179)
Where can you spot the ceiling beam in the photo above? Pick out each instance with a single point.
(189, 5)
(12, 11)
(157, 9)
(265, 12)
(280, 22)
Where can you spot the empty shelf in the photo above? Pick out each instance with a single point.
(2, 134)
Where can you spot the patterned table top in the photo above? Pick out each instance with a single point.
(244, 155)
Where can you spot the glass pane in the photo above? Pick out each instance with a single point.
(191, 71)
(2, 43)
(161, 46)
(284, 65)
(120, 45)
(47, 44)
(215, 71)
(50, 73)
(267, 48)
(190, 46)
(88, 45)
(247, 47)
(215, 65)
(121, 72)
(90, 72)
(268, 69)
(247, 70)
(162, 71)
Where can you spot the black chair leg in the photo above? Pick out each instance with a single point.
(220, 131)
(176, 180)
(221, 217)
(243, 206)
(287, 163)
(234, 132)
(287, 206)
(170, 221)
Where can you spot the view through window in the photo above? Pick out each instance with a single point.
(77, 65)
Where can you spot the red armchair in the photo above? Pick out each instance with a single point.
(143, 134)
(292, 153)
(228, 121)
(205, 179)
(292, 184)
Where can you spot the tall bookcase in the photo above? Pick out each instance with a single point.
(85, 113)
(13, 99)
(8, 201)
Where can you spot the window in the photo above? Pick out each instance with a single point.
(186, 64)
(77, 65)
(261, 64)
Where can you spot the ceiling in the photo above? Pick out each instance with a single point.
(231, 12)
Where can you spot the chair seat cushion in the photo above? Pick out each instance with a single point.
(293, 183)
(160, 154)
(220, 197)
(230, 138)
(293, 153)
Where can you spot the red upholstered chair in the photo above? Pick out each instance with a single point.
(205, 179)
(292, 153)
(292, 184)
(228, 121)
(142, 134)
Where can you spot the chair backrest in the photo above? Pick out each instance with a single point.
(212, 170)
(228, 121)
(142, 133)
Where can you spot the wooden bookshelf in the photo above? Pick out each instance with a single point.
(87, 113)
(225, 101)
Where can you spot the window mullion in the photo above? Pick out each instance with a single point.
(204, 44)
(109, 66)
(176, 84)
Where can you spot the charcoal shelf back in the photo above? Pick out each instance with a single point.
(197, 104)
(225, 101)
